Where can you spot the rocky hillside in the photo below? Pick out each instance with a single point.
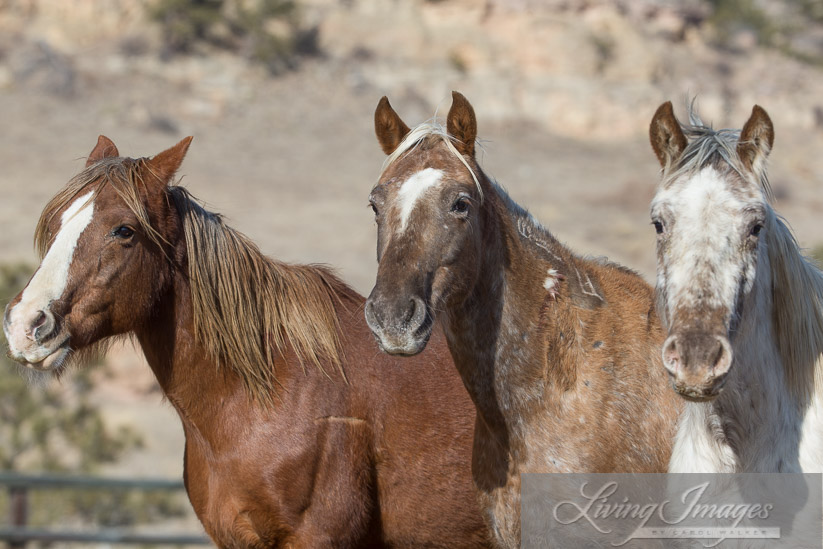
(588, 69)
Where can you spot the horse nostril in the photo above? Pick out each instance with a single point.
(39, 321)
(410, 312)
(671, 355)
(372, 319)
(722, 360)
(42, 326)
(416, 317)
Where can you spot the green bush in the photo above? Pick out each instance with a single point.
(798, 18)
(731, 16)
(186, 22)
(264, 31)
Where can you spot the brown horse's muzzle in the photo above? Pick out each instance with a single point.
(698, 363)
(401, 325)
(34, 336)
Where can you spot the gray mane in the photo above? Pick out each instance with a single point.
(431, 129)
(707, 147)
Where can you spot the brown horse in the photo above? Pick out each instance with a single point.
(299, 433)
(561, 355)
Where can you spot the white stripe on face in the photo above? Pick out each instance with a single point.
(50, 280)
(412, 189)
(704, 261)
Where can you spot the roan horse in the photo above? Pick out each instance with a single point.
(299, 432)
(560, 354)
(743, 307)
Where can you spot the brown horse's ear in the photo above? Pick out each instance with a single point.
(388, 126)
(105, 148)
(756, 140)
(668, 140)
(462, 124)
(165, 164)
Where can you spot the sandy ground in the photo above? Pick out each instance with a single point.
(292, 164)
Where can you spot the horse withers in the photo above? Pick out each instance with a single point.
(299, 432)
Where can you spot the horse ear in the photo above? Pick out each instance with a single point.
(666, 136)
(388, 126)
(756, 140)
(105, 148)
(165, 164)
(462, 124)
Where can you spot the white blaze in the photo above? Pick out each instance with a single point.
(50, 280)
(412, 189)
(703, 258)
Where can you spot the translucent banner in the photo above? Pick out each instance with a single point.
(675, 510)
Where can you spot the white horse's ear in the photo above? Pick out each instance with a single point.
(666, 136)
(388, 126)
(105, 148)
(462, 124)
(756, 140)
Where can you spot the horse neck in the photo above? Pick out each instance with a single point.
(782, 326)
(191, 380)
(497, 335)
(755, 352)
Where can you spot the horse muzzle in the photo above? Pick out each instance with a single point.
(35, 338)
(401, 327)
(698, 363)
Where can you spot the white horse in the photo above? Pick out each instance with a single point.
(743, 307)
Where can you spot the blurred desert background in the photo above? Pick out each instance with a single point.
(279, 97)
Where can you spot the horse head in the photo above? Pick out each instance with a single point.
(105, 252)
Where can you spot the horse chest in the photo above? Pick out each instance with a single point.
(714, 438)
(219, 496)
(697, 447)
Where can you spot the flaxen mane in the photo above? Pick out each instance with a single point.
(246, 307)
(433, 130)
(797, 282)
(529, 229)
(121, 174)
(430, 130)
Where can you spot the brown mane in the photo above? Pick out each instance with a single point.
(246, 307)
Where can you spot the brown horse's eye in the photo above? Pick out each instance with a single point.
(658, 226)
(123, 232)
(756, 229)
(373, 208)
(461, 205)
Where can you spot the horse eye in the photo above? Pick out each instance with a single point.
(756, 229)
(461, 205)
(123, 232)
(373, 208)
(658, 226)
